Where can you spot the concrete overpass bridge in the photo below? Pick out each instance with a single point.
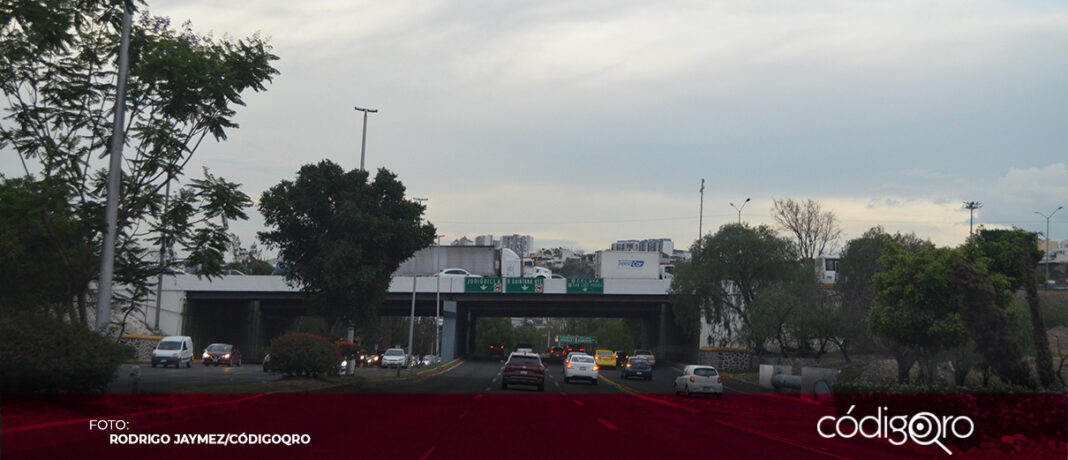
(252, 310)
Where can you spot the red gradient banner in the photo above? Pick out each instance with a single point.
(535, 426)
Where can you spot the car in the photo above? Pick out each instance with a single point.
(557, 276)
(569, 356)
(699, 379)
(581, 367)
(621, 358)
(457, 273)
(575, 347)
(173, 349)
(556, 353)
(232, 272)
(430, 360)
(647, 355)
(222, 353)
(371, 359)
(394, 357)
(496, 349)
(636, 367)
(525, 369)
(605, 358)
(524, 348)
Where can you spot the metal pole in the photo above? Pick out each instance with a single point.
(1047, 237)
(162, 252)
(363, 144)
(740, 210)
(111, 213)
(411, 321)
(437, 303)
(701, 218)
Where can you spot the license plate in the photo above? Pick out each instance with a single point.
(639, 372)
(582, 368)
(522, 372)
(708, 388)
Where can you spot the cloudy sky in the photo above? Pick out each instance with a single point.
(582, 123)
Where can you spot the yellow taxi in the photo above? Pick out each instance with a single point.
(605, 358)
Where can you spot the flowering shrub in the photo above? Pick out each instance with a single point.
(304, 354)
(50, 356)
(347, 349)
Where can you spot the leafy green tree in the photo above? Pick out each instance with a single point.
(491, 331)
(528, 335)
(1013, 254)
(341, 237)
(58, 73)
(857, 267)
(247, 260)
(917, 307)
(613, 335)
(727, 272)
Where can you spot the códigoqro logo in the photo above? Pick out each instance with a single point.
(923, 428)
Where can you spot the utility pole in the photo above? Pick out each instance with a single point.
(111, 212)
(740, 210)
(363, 145)
(411, 322)
(971, 206)
(701, 217)
(162, 251)
(1047, 237)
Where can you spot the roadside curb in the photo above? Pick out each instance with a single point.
(406, 379)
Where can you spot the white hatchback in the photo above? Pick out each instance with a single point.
(581, 367)
(699, 379)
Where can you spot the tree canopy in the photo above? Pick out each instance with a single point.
(58, 73)
(814, 229)
(341, 237)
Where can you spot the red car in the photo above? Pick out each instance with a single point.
(222, 353)
(496, 349)
(524, 369)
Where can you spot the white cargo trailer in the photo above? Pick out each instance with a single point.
(627, 264)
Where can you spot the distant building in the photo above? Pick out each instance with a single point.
(678, 255)
(827, 268)
(487, 240)
(662, 245)
(626, 245)
(522, 245)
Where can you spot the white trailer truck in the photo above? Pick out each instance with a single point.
(631, 265)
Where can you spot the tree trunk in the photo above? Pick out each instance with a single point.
(1043, 357)
(83, 316)
(905, 360)
(844, 345)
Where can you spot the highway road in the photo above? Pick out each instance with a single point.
(464, 413)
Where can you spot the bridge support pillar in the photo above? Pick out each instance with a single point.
(254, 341)
(449, 332)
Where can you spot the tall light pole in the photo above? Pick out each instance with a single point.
(111, 211)
(701, 216)
(740, 209)
(971, 206)
(411, 321)
(1047, 237)
(437, 301)
(363, 144)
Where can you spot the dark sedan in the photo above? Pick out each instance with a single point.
(222, 353)
(636, 367)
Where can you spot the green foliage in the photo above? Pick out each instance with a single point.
(342, 237)
(530, 335)
(304, 354)
(726, 274)
(58, 76)
(493, 331)
(916, 305)
(613, 335)
(39, 355)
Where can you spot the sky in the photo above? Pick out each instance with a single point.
(583, 123)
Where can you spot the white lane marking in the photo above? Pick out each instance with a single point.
(578, 402)
(427, 454)
(487, 390)
(463, 415)
(607, 424)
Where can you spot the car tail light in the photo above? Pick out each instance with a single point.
(719, 379)
(692, 379)
(630, 365)
(596, 368)
(569, 365)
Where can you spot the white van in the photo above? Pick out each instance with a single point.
(175, 349)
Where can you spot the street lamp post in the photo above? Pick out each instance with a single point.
(740, 209)
(411, 321)
(363, 144)
(1047, 237)
(701, 216)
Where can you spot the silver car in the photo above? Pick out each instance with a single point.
(699, 379)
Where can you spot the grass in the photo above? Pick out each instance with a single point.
(295, 384)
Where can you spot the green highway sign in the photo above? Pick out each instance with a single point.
(524, 285)
(565, 339)
(585, 286)
(483, 285)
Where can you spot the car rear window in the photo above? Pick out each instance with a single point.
(642, 352)
(604, 353)
(524, 360)
(705, 372)
(394, 352)
(582, 359)
(218, 347)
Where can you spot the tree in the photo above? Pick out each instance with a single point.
(857, 267)
(248, 261)
(1013, 254)
(727, 272)
(816, 230)
(917, 307)
(342, 237)
(613, 335)
(58, 74)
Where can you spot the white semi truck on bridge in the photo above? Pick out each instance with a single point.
(477, 260)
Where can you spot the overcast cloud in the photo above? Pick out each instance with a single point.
(586, 122)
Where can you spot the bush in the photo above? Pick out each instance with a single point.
(304, 354)
(49, 356)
